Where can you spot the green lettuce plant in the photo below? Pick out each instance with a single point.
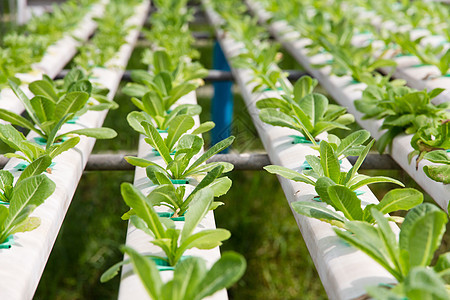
(177, 126)
(191, 279)
(30, 151)
(77, 79)
(430, 138)
(49, 111)
(403, 110)
(183, 164)
(181, 69)
(357, 61)
(441, 172)
(27, 195)
(262, 60)
(7, 185)
(157, 95)
(175, 197)
(407, 257)
(304, 111)
(344, 200)
(326, 170)
(174, 242)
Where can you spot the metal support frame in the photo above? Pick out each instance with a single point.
(213, 75)
(198, 35)
(244, 161)
(222, 103)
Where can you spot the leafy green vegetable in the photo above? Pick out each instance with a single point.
(191, 279)
(420, 236)
(263, 62)
(30, 151)
(26, 196)
(173, 242)
(428, 54)
(176, 198)
(7, 186)
(304, 111)
(158, 94)
(326, 170)
(344, 200)
(49, 110)
(430, 138)
(420, 283)
(403, 110)
(440, 173)
(183, 164)
(178, 125)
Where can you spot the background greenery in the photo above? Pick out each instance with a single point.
(256, 212)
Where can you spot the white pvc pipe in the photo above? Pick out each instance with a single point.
(22, 11)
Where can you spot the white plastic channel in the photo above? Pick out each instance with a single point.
(131, 286)
(344, 271)
(55, 58)
(23, 264)
(345, 93)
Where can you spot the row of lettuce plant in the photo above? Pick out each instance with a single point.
(183, 182)
(331, 29)
(54, 103)
(109, 37)
(27, 44)
(419, 16)
(407, 257)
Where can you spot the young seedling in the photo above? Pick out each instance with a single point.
(7, 186)
(157, 98)
(155, 93)
(439, 173)
(262, 60)
(191, 279)
(27, 194)
(182, 70)
(403, 110)
(428, 54)
(49, 111)
(304, 111)
(430, 138)
(407, 258)
(327, 172)
(344, 200)
(173, 242)
(183, 164)
(175, 197)
(77, 79)
(30, 151)
(177, 126)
